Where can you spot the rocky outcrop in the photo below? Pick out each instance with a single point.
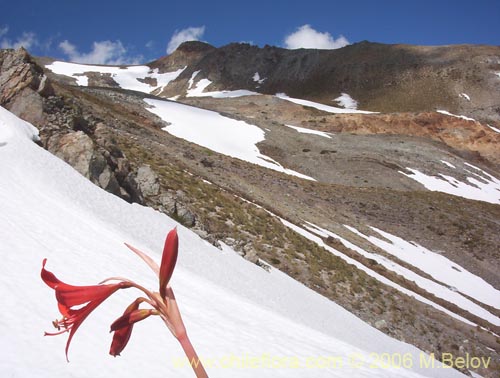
(22, 85)
(69, 132)
(77, 149)
(18, 72)
(464, 135)
(79, 137)
(175, 205)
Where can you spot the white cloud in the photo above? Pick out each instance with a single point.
(308, 38)
(103, 52)
(26, 40)
(184, 35)
(3, 30)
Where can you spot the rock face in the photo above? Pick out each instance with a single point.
(78, 150)
(22, 84)
(17, 73)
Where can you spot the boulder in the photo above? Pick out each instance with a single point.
(75, 148)
(380, 324)
(147, 181)
(78, 150)
(28, 105)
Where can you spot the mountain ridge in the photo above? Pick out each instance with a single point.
(375, 74)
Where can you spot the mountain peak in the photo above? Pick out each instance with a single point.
(194, 46)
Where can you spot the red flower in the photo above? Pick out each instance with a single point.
(163, 303)
(69, 296)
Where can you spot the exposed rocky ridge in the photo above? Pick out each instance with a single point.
(22, 83)
(167, 173)
(384, 78)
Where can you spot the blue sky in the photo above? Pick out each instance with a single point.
(134, 31)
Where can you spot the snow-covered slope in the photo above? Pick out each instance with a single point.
(141, 79)
(451, 282)
(233, 309)
(311, 232)
(136, 78)
(221, 134)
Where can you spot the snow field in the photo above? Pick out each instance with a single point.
(210, 129)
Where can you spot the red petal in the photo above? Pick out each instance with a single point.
(120, 340)
(49, 278)
(128, 319)
(70, 296)
(168, 260)
(80, 316)
(122, 335)
(65, 311)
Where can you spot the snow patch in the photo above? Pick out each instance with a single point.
(485, 189)
(130, 77)
(309, 131)
(493, 128)
(257, 79)
(454, 115)
(465, 95)
(317, 105)
(12, 127)
(199, 91)
(448, 164)
(347, 101)
(191, 79)
(209, 129)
